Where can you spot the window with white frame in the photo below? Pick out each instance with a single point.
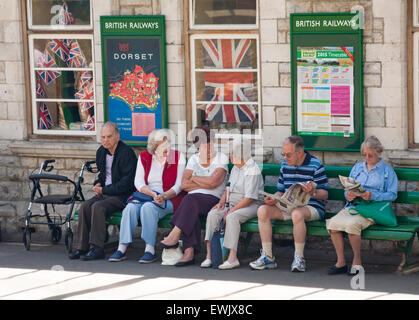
(225, 74)
(61, 67)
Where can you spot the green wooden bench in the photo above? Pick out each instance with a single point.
(402, 236)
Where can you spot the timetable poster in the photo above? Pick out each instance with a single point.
(134, 98)
(325, 91)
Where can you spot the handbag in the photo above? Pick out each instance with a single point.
(219, 254)
(380, 211)
(142, 198)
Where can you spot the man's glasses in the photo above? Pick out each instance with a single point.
(288, 154)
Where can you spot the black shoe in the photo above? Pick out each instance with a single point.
(185, 263)
(95, 253)
(336, 270)
(77, 254)
(165, 246)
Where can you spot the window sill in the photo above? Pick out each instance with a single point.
(48, 149)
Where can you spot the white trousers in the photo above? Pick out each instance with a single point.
(233, 222)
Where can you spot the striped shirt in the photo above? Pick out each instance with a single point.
(310, 170)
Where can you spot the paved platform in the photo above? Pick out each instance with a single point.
(45, 272)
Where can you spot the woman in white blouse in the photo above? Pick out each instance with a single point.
(159, 175)
(244, 200)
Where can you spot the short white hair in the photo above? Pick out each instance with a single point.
(372, 142)
(156, 137)
(240, 149)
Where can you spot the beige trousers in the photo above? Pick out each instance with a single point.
(233, 222)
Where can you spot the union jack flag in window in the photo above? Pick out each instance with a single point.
(61, 47)
(66, 17)
(44, 119)
(237, 86)
(90, 124)
(47, 61)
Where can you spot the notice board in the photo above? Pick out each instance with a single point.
(134, 75)
(326, 80)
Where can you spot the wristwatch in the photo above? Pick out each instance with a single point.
(314, 193)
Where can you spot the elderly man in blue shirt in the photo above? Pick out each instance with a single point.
(380, 184)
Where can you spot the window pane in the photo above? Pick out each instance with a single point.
(59, 13)
(225, 54)
(62, 53)
(233, 12)
(226, 86)
(65, 116)
(218, 116)
(64, 85)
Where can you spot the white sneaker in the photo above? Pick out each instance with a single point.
(264, 262)
(207, 263)
(299, 264)
(228, 266)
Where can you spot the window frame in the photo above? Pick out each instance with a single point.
(189, 32)
(413, 74)
(56, 28)
(35, 100)
(68, 135)
(194, 70)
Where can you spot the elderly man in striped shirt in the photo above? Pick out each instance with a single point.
(298, 166)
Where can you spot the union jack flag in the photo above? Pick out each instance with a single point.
(66, 17)
(60, 47)
(40, 91)
(44, 119)
(86, 105)
(76, 58)
(85, 93)
(227, 86)
(85, 78)
(47, 61)
(90, 124)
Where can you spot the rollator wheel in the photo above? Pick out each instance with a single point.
(27, 237)
(56, 234)
(69, 241)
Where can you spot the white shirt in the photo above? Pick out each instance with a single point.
(220, 161)
(155, 176)
(109, 161)
(245, 182)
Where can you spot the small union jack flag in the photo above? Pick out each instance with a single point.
(40, 91)
(86, 105)
(66, 17)
(47, 61)
(76, 58)
(85, 93)
(90, 124)
(60, 47)
(227, 86)
(85, 78)
(44, 119)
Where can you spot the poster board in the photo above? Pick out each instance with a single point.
(326, 80)
(134, 75)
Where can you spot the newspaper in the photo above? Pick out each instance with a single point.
(350, 184)
(292, 198)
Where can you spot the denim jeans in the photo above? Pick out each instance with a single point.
(150, 215)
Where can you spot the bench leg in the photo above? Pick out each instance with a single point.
(406, 249)
(246, 241)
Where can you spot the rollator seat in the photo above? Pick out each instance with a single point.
(54, 199)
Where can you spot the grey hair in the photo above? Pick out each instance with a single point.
(241, 149)
(372, 142)
(156, 137)
(297, 141)
(111, 125)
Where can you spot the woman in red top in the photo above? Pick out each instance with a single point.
(159, 175)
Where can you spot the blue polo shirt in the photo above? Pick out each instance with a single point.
(310, 170)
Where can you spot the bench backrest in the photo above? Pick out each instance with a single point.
(337, 193)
